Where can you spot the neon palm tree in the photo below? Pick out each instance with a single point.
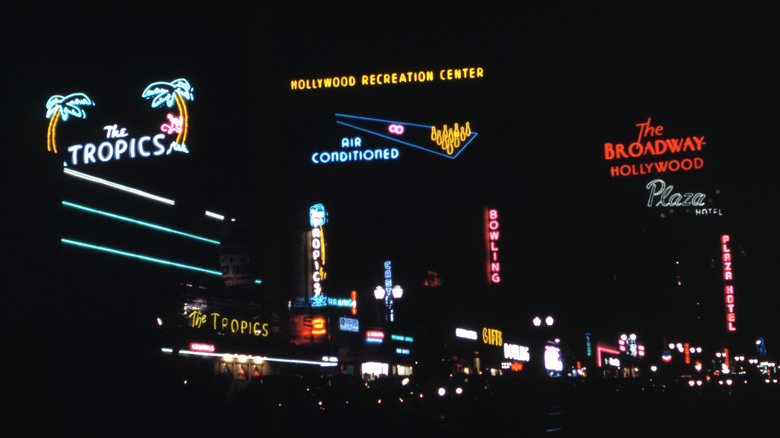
(59, 107)
(168, 93)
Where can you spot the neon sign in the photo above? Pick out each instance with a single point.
(466, 334)
(491, 225)
(168, 93)
(358, 154)
(317, 218)
(375, 336)
(448, 142)
(318, 326)
(654, 147)
(516, 352)
(117, 143)
(661, 196)
(349, 324)
(225, 324)
(445, 74)
(62, 107)
(202, 347)
(600, 349)
(588, 351)
(728, 278)
(389, 292)
(492, 337)
(552, 358)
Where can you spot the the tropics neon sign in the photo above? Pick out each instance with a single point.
(317, 218)
(117, 143)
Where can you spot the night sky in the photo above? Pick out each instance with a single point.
(559, 83)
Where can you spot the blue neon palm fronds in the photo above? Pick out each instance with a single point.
(165, 92)
(69, 105)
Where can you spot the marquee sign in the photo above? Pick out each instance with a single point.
(114, 141)
(646, 155)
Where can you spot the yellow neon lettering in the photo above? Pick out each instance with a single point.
(244, 326)
(225, 323)
(215, 315)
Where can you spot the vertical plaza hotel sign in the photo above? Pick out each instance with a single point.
(728, 282)
(111, 140)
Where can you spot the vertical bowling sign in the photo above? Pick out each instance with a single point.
(492, 240)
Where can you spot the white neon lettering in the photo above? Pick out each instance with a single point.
(662, 196)
(160, 148)
(74, 150)
(141, 150)
(119, 148)
(101, 148)
(89, 153)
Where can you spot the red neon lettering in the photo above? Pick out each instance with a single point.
(729, 289)
(493, 225)
(725, 238)
(728, 276)
(493, 246)
(202, 347)
(619, 152)
(493, 214)
(493, 235)
(635, 149)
